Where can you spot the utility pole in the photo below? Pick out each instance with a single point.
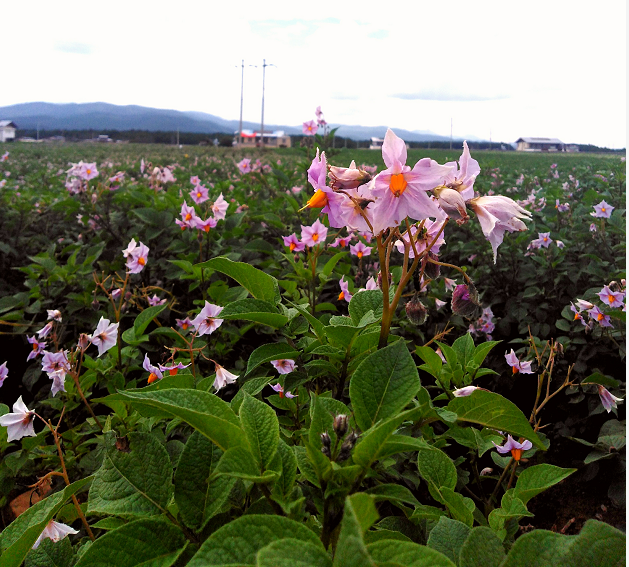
(264, 66)
(450, 133)
(242, 87)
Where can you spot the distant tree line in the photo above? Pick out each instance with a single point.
(225, 140)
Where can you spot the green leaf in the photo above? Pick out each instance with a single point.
(448, 537)
(262, 430)
(393, 493)
(143, 319)
(51, 554)
(254, 310)
(317, 326)
(363, 302)
(286, 481)
(482, 350)
(598, 544)
(259, 284)
(407, 554)
(198, 498)
(205, 412)
(493, 411)
(598, 378)
(432, 360)
(292, 552)
(332, 262)
(383, 384)
(358, 516)
(133, 483)
(482, 548)
(238, 542)
(252, 387)
(17, 539)
(436, 467)
(153, 542)
(238, 462)
(460, 507)
(538, 478)
(464, 348)
(272, 351)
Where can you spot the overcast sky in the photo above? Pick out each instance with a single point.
(504, 69)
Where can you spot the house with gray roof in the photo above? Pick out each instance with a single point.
(7, 130)
(539, 145)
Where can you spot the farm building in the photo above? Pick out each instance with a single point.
(251, 139)
(540, 145)
(7, 130)
(376, 144)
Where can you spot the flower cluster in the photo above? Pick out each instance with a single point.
(136, 255)
(611, 296)
(188, 214)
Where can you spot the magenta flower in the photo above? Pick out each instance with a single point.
(205, 225)
(54, 531)
(136, 260)
(597, 315)
(105, 336)
(154, 372)
(280, 390)
(401, 192)
(206, 322)
(219, 208)
(19, 423)
(498, 214)
(356, 209)
(4, 372)
(188, 217)
(130, 248)
(284, 365)
(199, 194)
(513, 447)
(345, 293)
(244, 165)
(184, 323)
(371, 284)
(611, 298)
(602, 210)
(560, 244)
(324, 197)
(309, 128)
(577, 314)
(55, 362)
(608, 400)
(194, 179)
(516, 365)
(360, 250)
(223, 377)
(342, 241)
(38, 347)
(293, 243)
(315, 234)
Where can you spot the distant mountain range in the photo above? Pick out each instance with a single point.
(101, 116)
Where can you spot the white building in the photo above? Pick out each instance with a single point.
(7, 130)
(251, 139)
(539, 145)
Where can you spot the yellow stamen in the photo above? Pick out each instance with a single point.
(398, 184)
(318, 200)
(514, 369)
(188, 217)
(516, 454)
(199, 195)
(600, 317)
(611, 299)
(185, 326)
(315, 236)
(341, 296)
(152, 378)
(141, 261)
(206, 228)
(173, 371)
(577, 316)
(603, 209)
(292, 246)
(359, 254)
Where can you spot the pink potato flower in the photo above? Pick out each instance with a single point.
(88, 171)
(4, 372)
(19, 423)
(293, 243)
(608, 400)
(154, 372)
(516, 365)
(465, 391)
(360, 250)
(54, 531)
(401, 192)
(188, 217)
(280, 390)
(57, 366)
(199, 194)
(223, 377)
(315, 234)
(219, 208)
(309, 128)
(37, 348)
(513, 447)
(597, 315)
(244, 165)
(345, 293)
(206, 321)
(105, 336)
(205, 225)
(611, 298)
(136, 257)
(283, 365)
(602, 210)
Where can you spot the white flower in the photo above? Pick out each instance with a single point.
(223, 377)
(105, 336)
(55, 531)
(19, 423)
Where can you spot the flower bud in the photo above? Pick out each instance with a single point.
(486, 471)
(84, 341)
(347, 178)
(465, 301)
(325, 442)
(346, 447)
(416, 311)
(340, 425)
(95, 304)
(431, 270)
(451, 201)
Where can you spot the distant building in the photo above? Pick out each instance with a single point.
(7, 130)
(572, 147)
(251, 139)
(539, 145)
(376, 144)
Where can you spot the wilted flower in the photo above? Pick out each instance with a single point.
(602, 210)
(54, 314)
(283, 365)
(4, 372)
(45, 330)
(54, 531)
(206, 322)
(345, 293)
(513, 447)
(465, 301)
(465, 391)
(19, 423)
(280, 390)
(223, 377)
(105, 336)
(608, 400)
(516, 365)
(340, 424)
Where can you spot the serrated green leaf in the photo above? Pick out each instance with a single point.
(359, 514)
(363, 302)
(51, 554)
(482, 548)
(383, 384)
(259, 422)
(153, 542)
(448, 537)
